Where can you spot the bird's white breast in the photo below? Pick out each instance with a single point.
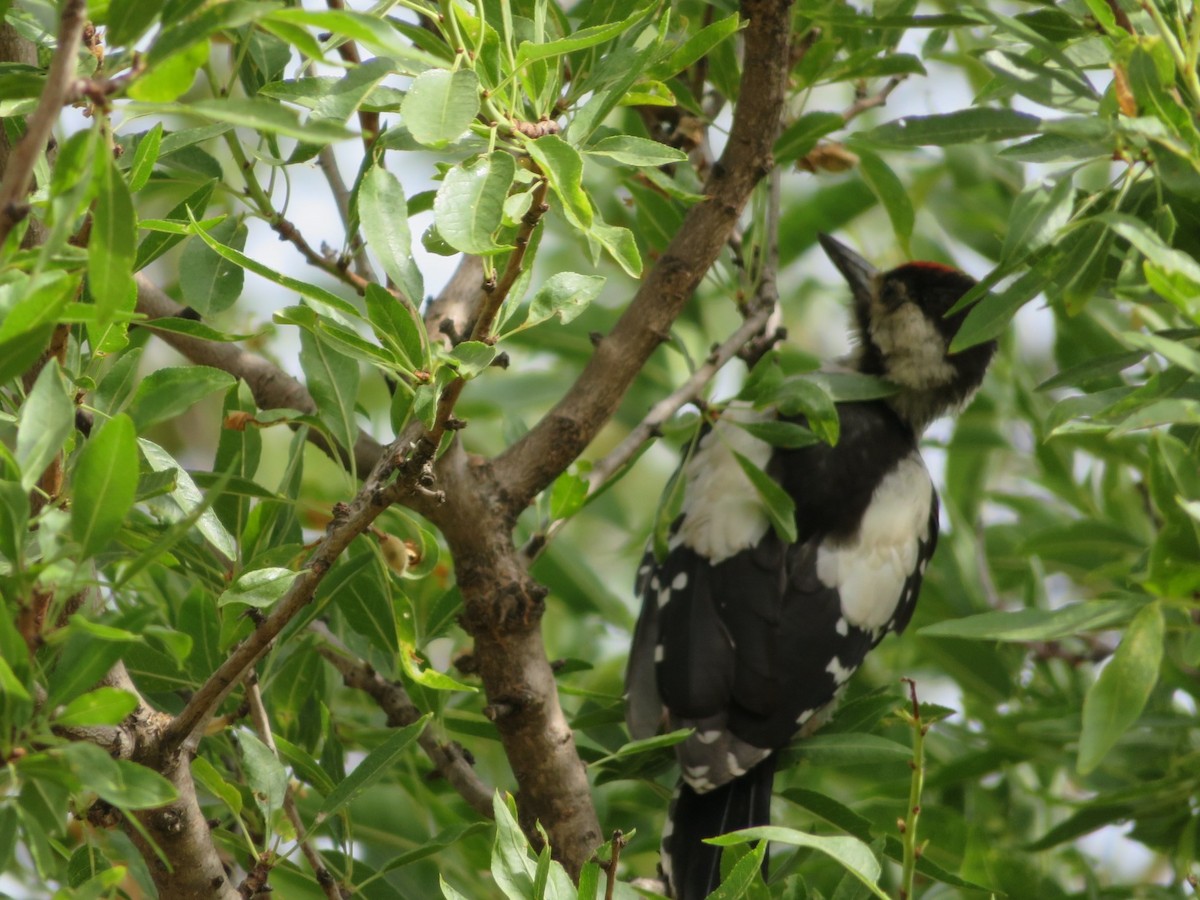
(722, 513)
(869, 570)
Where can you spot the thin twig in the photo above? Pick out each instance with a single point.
(327, 160)
(18, 174)
(450, 760)
(658, 416)
(610, 869)
(871, 101)
(908, 824)
(262, 724)
(488, 307)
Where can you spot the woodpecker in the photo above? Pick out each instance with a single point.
(748, 639)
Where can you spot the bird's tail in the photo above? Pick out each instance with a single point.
(692, 868)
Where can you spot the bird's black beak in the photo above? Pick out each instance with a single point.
(857, 271)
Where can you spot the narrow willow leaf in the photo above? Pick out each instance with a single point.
(891, 193)
(802, 135)
(333, 383)
(961, 127)
(1038, 216)
(376, 764)
(383, 213)
(46, 420)
(169, 392)
(112, 245)
(777, 503)
(1116, 699)
(311, 291)
(1024, 625)
(187, 496)
(851, 853)
(636, 151)
(104, 483)
(144, 158)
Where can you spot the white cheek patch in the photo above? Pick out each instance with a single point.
(722, 514)
(870, 570)
(913, 349)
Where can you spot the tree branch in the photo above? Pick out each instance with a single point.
(18, 172)
(272, 387)
(348, 522)
(552, 444)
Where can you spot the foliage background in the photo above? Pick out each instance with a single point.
(1050, 149)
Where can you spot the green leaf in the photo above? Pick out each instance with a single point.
(472, 357)
(311, 291)
(591, 36)
(14, 520)
(383, 214)
(780, 434)
(144, 158)
(265, 774)
(850, 749)
(112, 245)
(803, 396)
(1116, 699)
(440, 106)
(156, 244)
(960, 127)
(802, 135)
(697, 46)
(46, 420)
(564, 294)
(333, 382)
(121, 783)
(398, 327)
(103, 706)
(259, 114)
(1038, 216)
(777, 503)
(167, 393)
(735, 885)
(891, 193)
(173, 77)
(31, 304)
(104, 483)
(851, 853)
(563, 167)
(210, 282)
(377, 763)
(259, 588)
(990, 316)
(511, 866)
(373, 31)
(620, 244)
(211, 780)
(636, 151)
(1024, 625)
(469, 205)
(187, 496)
(128, 20)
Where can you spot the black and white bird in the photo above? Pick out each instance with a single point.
(748, 639)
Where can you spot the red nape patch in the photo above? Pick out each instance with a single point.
(935, 266)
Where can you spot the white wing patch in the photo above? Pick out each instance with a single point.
(722, 514)
(869, 570)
